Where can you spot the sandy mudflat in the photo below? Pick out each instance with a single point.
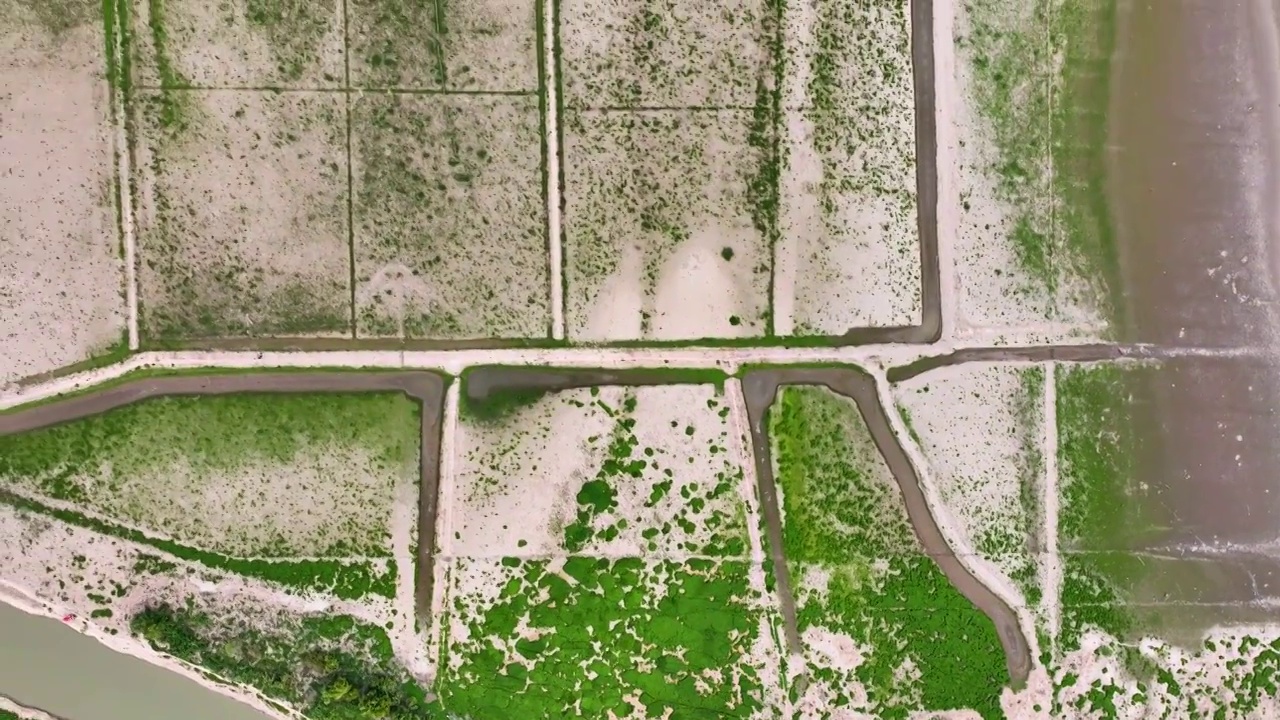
(242, 214)
(848, 251)
(660, 241)
(61, 277)
(237, 43)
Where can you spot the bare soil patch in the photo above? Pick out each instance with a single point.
(654, 53)
(488, 45)
(450, 223)
(849, 251)
(661, 239)
(289, 43)
(242, 214)
(61, 276)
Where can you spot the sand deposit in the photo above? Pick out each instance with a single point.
(238, 43)
(534, 467)
(61, 278)
(450, 224)
(660, 237)
(487, 45)
(647, 53)
(849, 252)
(241, 214)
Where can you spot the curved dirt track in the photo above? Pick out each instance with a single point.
(761, 389)
(425, 387)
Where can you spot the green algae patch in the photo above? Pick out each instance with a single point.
(1040, 84)
(271, 476)
(587, 636)
(1105, 429)
(626, 584)
(329, 667)
(862, 580)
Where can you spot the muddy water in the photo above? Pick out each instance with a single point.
(47, 665)
(1192, 182)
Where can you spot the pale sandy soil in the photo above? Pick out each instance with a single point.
(515, 485)
(486, 45)
(324, 497)
(24, 712)
(241, 214)
(985, 287)
(849, 253)
(450, 225)
(982, 435)
(491, 45)
(639, 53)
(659, 236)
(217, 44)
(61, 274)
(834, 651)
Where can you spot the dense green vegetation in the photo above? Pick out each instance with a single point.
(214, 433)
(844, 517)
(654, 649)
(658, 630)
(332, 668)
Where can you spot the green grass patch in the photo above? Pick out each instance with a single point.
(348, 580)
(222, 432)
(845, 519)
(122, 463)
(683, 650)
(331, 668)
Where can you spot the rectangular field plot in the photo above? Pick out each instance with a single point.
(450, 223)
(254, 43)
(870, 604)
(61, 278)
(242, 475)
(661, 226)
(659, 53)
(608, 529)
(242, 214)
(488, 45)
(849, 251)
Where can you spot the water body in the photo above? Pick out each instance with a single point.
(1192, 179)
(47, 665)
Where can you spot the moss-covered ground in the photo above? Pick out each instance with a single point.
(1040, 83)
(861, 574)
(1104, 514)
(643, 598)
(232, 475)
